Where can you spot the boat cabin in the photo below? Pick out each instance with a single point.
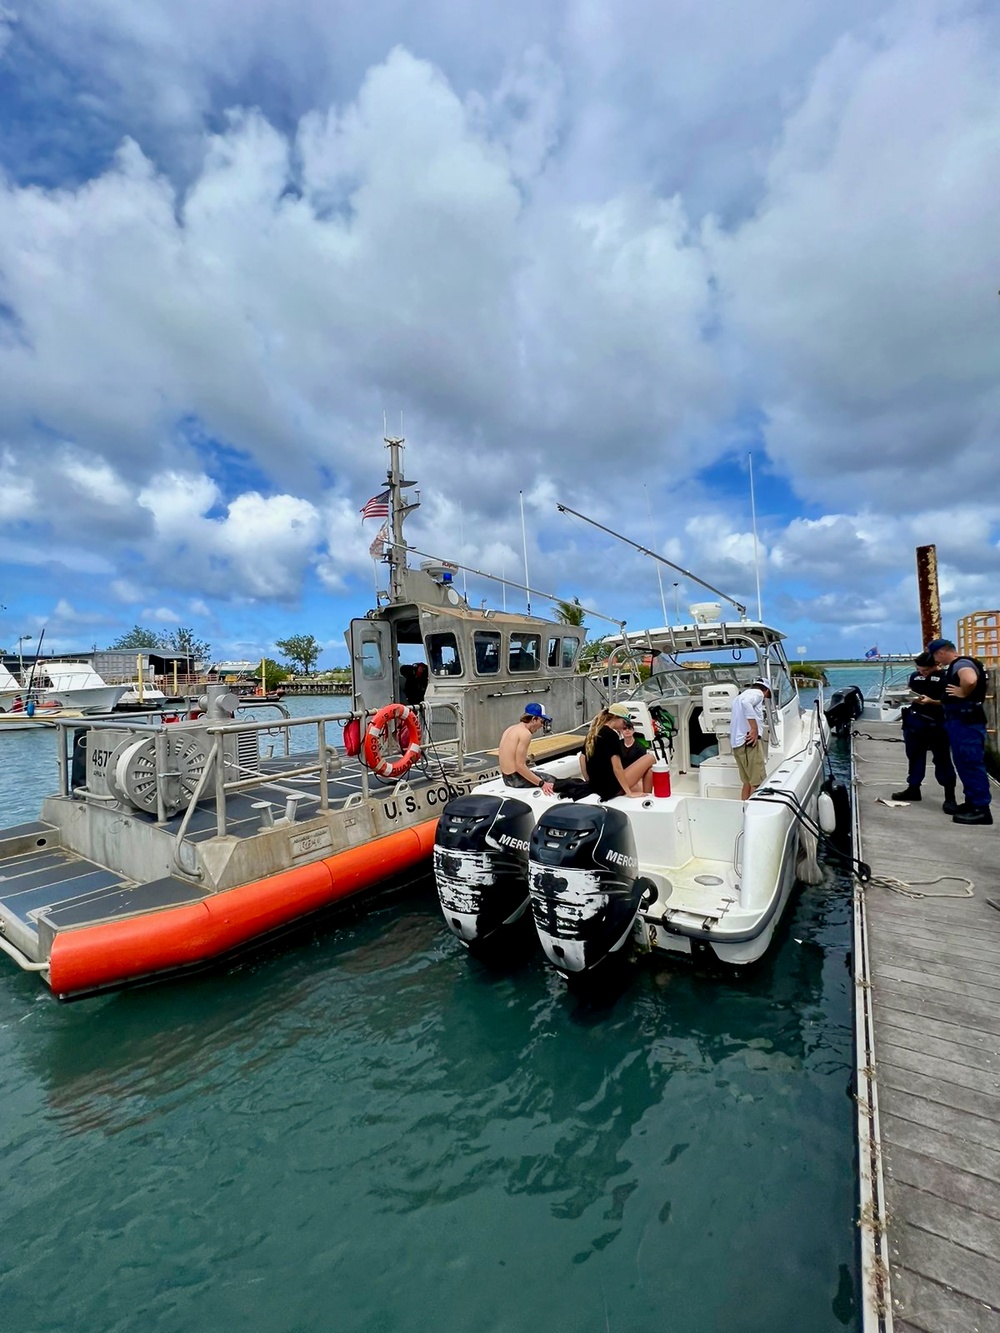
(472, 669)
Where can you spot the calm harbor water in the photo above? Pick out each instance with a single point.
(365, 1130)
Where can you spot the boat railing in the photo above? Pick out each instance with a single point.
(217, 772)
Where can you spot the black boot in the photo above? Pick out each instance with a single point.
(907, 794)
(951, 806)
(973, 814)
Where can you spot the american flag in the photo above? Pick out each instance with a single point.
(377, 507)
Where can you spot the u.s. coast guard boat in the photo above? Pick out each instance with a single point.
(173, 841)
(693, 870)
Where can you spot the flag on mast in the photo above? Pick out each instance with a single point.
(377, 548)
(376, 507)
(872, 652)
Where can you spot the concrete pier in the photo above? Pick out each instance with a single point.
(928, 976)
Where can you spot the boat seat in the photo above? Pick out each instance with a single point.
(717, 714)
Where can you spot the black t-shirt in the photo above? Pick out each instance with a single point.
(932, 687)
(600, 773)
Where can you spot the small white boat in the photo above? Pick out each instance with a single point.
(885, 701)
(138, 694)
(693, 872)
(74, 685)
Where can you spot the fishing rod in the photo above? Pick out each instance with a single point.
(522, 587)
(644, 550)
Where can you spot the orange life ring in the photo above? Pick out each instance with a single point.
(407, 733)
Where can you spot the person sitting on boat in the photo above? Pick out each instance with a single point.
(18, 705)
(923, 730)
(746, 735)
(633, 746)
(606, 770)
(513, 751)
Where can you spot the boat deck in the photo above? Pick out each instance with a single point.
(934, 972)
(46, 887)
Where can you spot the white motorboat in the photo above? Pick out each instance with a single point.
(74, 685)
(10, 690)
(140, 694)
(885, 701)
(693, 872)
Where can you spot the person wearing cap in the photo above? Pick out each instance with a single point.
(746, 735)
(606, 770)
(965, 724)
(513, 752)
(923, 730)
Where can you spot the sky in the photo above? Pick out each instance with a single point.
(596, 252)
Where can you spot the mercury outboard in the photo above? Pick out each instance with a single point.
(844, 708)
(582, 873)
(481, 864)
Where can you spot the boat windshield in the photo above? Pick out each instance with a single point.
(677, 682)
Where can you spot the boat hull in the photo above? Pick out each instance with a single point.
(112, 954)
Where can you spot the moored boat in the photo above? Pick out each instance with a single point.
(689, 868)
(168, 846)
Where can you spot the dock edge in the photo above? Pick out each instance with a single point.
(876, 1301)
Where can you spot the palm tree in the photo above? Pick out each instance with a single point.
(570, 613)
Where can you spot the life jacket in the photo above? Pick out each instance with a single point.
(969, 709)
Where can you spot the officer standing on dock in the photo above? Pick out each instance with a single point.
(923, 730)
(965, 723)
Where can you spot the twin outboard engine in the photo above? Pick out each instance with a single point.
(481, 864)
(582, 873)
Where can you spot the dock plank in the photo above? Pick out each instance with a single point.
(934, 965)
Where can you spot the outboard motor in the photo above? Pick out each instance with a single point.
(582, 873)
(481, 864)
(845, 707)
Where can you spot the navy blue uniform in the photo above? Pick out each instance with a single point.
(924, 730)
(965, 724)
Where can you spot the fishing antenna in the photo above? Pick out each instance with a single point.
(522, 587)
(644, 550)
(756, 560)
(34, 665)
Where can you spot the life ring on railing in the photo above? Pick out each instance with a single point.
(407, 733)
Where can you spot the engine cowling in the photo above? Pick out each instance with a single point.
(583, 879)
(481, 864)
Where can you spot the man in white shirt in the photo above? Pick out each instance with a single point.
(746, 734)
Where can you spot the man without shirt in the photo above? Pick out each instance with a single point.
(513, 752)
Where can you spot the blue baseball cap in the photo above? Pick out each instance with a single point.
(536, 710)
(935, 644)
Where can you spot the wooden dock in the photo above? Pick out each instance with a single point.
(928, 975)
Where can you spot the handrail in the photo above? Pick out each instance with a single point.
(214, 768)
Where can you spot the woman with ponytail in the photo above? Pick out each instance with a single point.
(605, 772)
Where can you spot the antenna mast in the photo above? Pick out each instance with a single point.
(756, 560)
(398, 510)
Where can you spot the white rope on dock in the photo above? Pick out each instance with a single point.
(908, 888)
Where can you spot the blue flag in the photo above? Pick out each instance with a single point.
(872, 652)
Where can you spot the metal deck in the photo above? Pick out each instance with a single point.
(933, 965)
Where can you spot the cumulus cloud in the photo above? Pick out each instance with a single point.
(577, 247)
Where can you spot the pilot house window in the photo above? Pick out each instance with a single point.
(442, 655)
(524, 651)
(570, 647)
(487, 643)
